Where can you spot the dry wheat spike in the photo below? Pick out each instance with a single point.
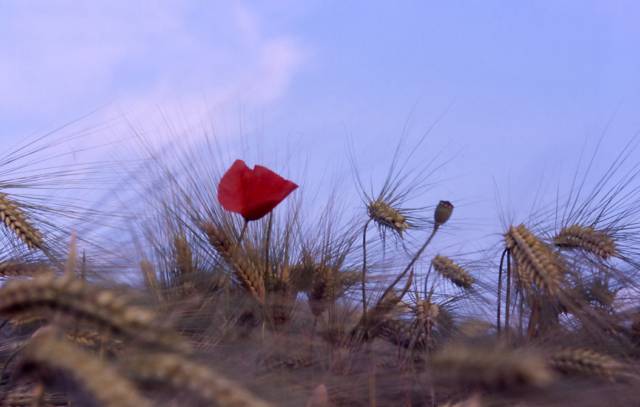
(452, 271)
(17, 268)
(387, 216)
(496, 368)
(586, 362)
(181, 373)
(72, 297)
(586, 238)
(101, 380)
(183, 255)
(536, 262)
(248, 275)
(15, 220)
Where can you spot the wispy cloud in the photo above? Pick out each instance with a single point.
(62, 58)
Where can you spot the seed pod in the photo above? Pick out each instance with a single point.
(443, 212)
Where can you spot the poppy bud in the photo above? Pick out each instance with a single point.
(443, 212)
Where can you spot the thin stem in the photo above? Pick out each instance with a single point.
(364, 274)
(266, 250)
(372, 378)
(426, 278)
(243, 231)
(412, 262)
(498, 320)
(508, 299)
(520, 314)
(10, 359)
(83, 268)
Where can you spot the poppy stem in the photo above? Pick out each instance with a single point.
(243, 232)
(507, 307)
(411, 263)
(498, 312)
(364, 274)
(266, 249)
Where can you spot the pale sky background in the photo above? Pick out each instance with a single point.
(526, 82)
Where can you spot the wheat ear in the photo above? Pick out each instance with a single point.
(15, 220)
(16, 268)
(586, 238)
(74, 298)
(536, 263)
(387, 216)
(104, 382)
(183, 255)
(249, 276)
(151, 279)
(452, 271)
(180, 373)
(586, 362)
(496, 368)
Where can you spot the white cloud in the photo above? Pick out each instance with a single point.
(63, 58)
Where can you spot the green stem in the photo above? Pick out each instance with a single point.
(498, 320)
(508, 299)
(243, 232)
(266, 250)
(412, 262)
(364, 274)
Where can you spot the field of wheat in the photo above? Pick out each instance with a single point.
(238, 296)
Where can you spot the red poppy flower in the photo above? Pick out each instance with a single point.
(252, 192)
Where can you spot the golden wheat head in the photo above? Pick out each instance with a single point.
(495, 368)
(100, 379)
(597, 242)
(448, 269)
(248, 275)
(49, 295)
(387, 216)
(181, 373)
(536, 262)
(15, 220)
(585, 362)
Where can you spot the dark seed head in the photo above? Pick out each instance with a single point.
(443, 212)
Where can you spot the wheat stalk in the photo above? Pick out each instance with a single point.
(536, 263)
(183, 255)
(32, 395)
(402, 333)
(72, 297)
(585, 362)
(15, 220)
(102, 381)
(386, 216)
(452, 271)
(16, 268)
(180, 373)
(586, 238)
(151, 279)
(250, 277)
(322, 290)
(495, 368)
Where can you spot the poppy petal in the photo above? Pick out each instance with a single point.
(265, 190)
(252, 192)
(231, 189)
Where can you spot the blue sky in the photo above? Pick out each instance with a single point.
(526, 83)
